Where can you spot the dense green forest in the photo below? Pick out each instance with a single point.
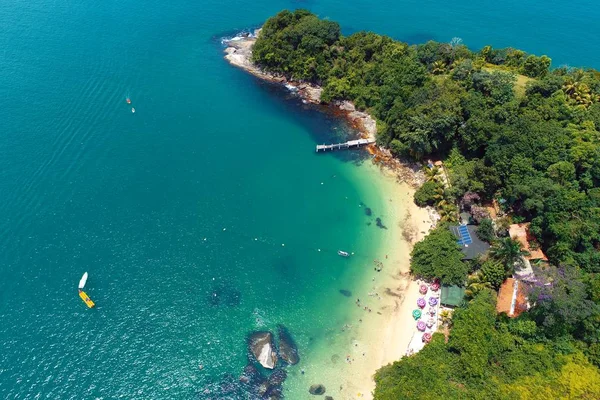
(508, 128)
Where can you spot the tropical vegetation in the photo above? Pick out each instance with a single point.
(507, 125)
(511, 130)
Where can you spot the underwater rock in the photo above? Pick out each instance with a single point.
(380, 224)
(368, 211)
(224, 294)
(261, 346)
(288, 351)
(328, 398)
(277, 377)
(274, 393)
(251, 375)
(317, 390)
(346, 293)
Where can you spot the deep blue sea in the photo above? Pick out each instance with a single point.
(198, 217)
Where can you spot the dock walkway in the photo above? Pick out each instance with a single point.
(346, 145)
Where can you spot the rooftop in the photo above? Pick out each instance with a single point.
(511, 298)
(452, 295)
(521, 233)
(472, 247)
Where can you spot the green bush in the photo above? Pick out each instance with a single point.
(485, 230)
(493, 272)
(425, 195)
(439, 256)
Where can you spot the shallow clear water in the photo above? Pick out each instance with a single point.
(86, 185)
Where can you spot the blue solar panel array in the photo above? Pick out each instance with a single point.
(465, 237)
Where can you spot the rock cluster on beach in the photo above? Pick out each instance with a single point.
(264, 355)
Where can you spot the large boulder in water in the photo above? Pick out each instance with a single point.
(261, 346)
(288, 351)
(317, 390)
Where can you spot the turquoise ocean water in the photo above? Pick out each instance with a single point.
(180, 211)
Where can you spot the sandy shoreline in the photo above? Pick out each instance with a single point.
(383, 334)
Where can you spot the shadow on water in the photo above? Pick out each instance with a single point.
(285, 266)
(223, 294)
(323, 123)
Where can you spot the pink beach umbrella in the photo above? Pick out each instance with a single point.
(435, 286)
(427, 337)
(421, 326)
(432, 301)
(423, 289)
(421, 302)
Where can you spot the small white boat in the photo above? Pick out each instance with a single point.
(343, 253)
(83, 281)
(132, 109)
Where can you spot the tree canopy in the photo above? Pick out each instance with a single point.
(439, 256)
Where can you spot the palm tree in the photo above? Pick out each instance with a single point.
(438, 68)
(579, 93)
(432, 174)
(475, 284)
(439, 194)
(509, 252)
(570, 87)
(446, 318)
(448, 212)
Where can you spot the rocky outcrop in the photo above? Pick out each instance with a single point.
(359, 119)
(317, 390)
(288, 351)
(261, 346)
(346, 292)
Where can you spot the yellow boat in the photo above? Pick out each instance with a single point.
(88, 302)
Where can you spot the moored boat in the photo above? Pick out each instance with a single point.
(343, 253)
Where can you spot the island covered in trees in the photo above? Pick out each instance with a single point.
(511, 131)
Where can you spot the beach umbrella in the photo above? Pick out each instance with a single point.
(421, 326)
(416, 314)
(432, 301)
(427, 337)
(430, 322)
(423, 289)
(435, 286)
(421, 302)
(431, 311)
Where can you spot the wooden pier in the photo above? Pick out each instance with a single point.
(346, 145)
